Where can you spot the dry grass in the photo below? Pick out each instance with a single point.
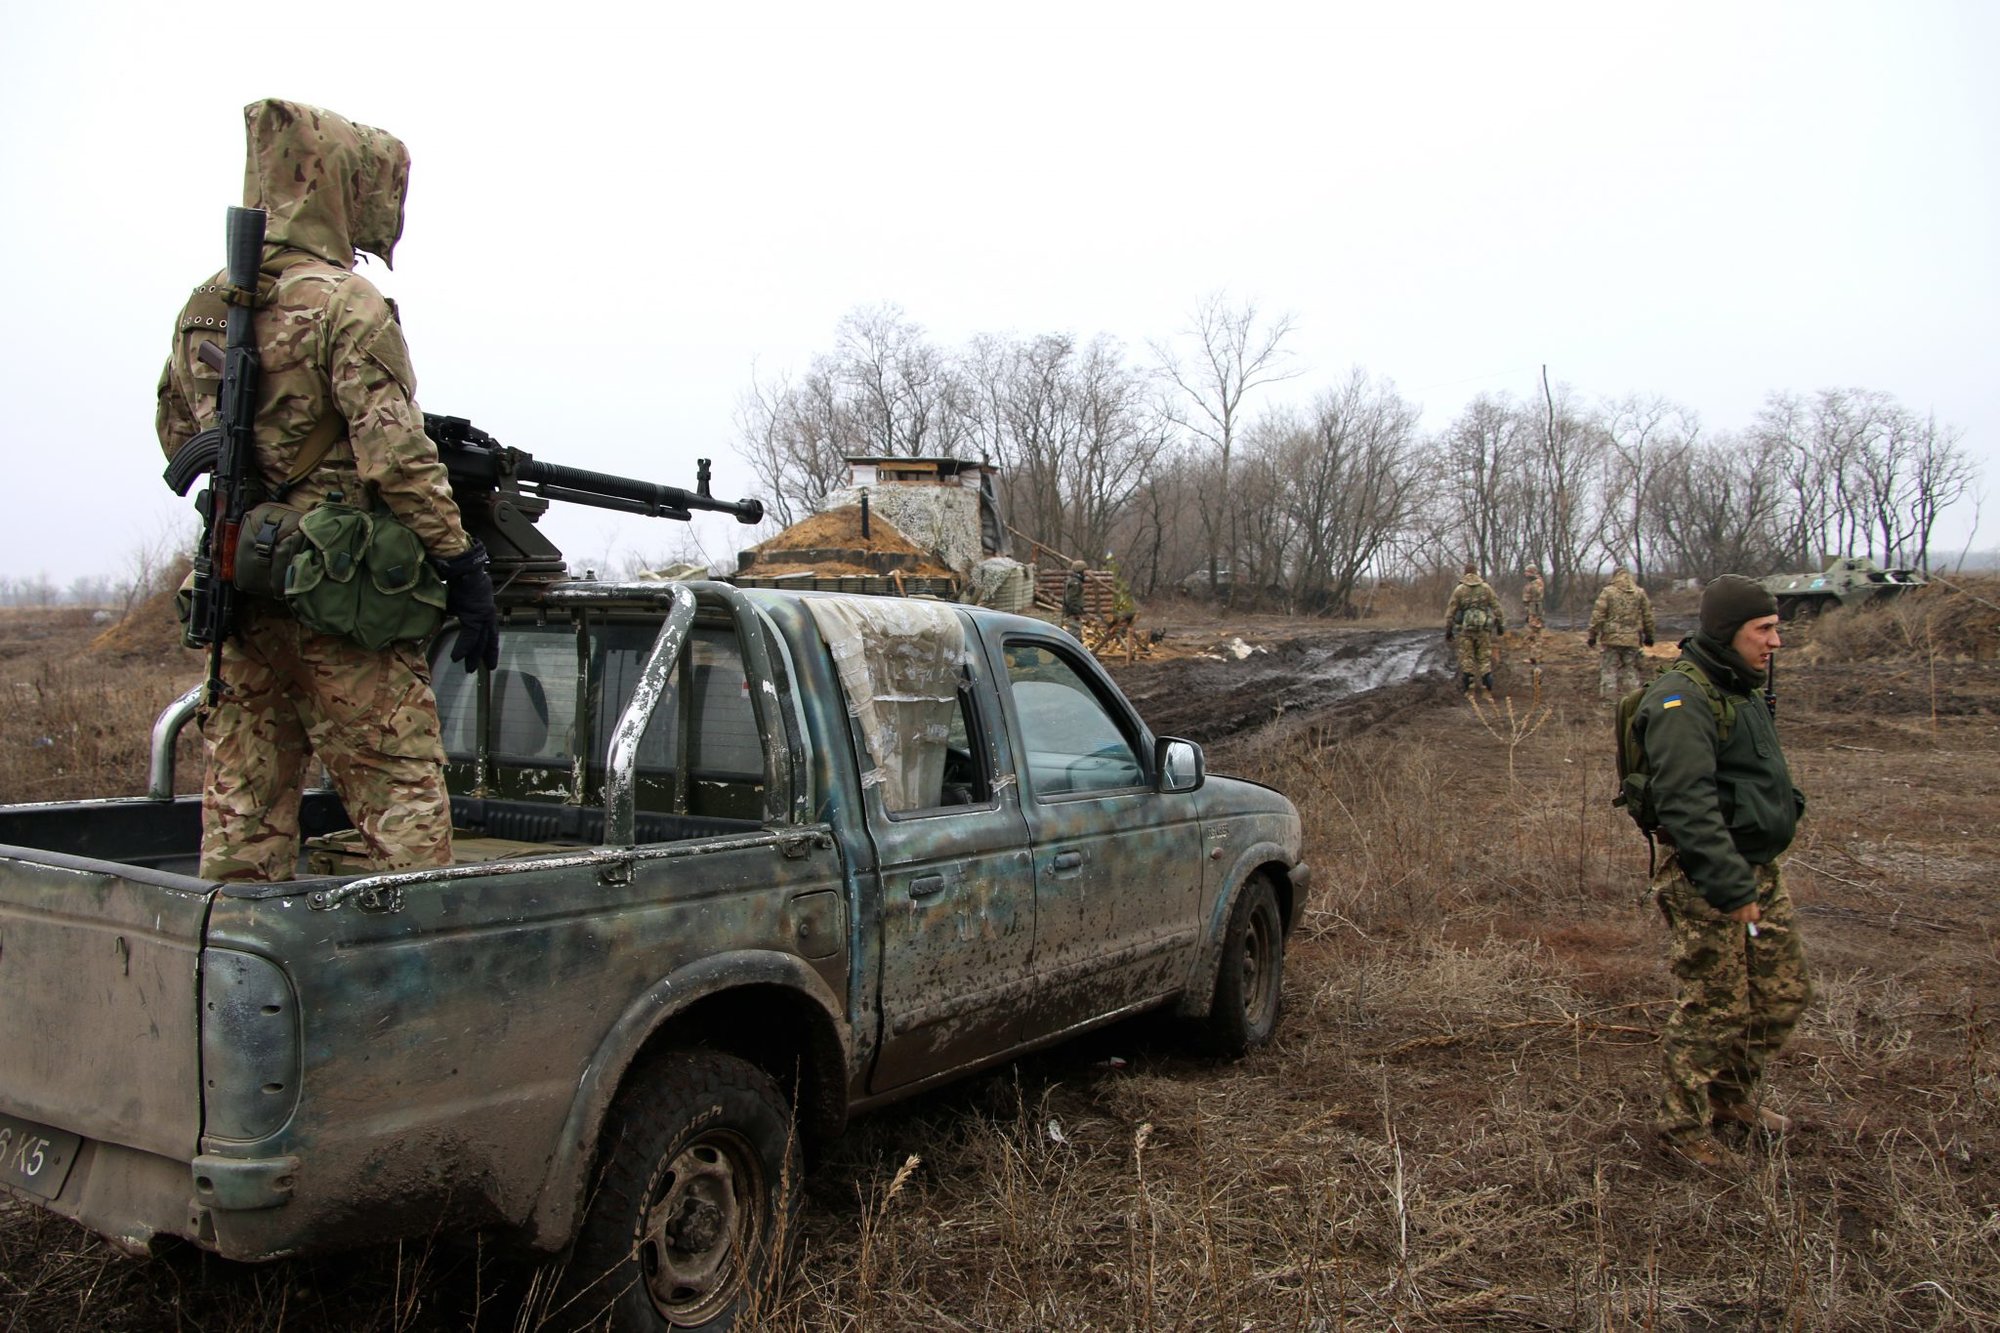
(1450, 1130)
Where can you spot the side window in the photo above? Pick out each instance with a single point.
(1073, 742)
(701, 752)
(965, 777)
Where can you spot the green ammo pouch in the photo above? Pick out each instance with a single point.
(266, 545)
(363, 576)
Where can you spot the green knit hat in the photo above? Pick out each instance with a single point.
(1731, 599)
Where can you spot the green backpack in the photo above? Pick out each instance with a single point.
(1635, 772)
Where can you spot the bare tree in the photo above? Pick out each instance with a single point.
(1348, 475)
(1942, 476)
(908, 398)
(1563, 493)
(1648, 435)
(1716, 509)
(796, 438)
(1481, 463)
(1233, 354)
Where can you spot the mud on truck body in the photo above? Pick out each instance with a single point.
(731, 866)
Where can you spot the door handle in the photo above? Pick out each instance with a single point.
(923, 886)
(1067, 861)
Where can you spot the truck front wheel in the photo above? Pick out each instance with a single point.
(696, 1195)
(1249, 987)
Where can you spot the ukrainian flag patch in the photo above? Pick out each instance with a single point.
(1671, 701)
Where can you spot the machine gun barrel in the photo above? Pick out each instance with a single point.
(478, 462)
(609, 492)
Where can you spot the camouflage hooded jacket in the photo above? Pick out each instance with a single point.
(1623, 615)
(1473, 591)
(328, 342)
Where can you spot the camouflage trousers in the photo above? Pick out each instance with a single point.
(1737, 1000)
(369, 716)
(1478, 652)
(1531, 643)
(1618, 671)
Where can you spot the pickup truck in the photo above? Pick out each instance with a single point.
(730, 866)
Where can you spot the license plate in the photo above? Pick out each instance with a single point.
(34, 1157)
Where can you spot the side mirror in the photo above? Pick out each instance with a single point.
(1179, 765)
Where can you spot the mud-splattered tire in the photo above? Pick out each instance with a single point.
(695, 1199)
(1250, 985)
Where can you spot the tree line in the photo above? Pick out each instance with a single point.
(1187, 463)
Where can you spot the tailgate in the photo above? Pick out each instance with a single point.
(99, 1033)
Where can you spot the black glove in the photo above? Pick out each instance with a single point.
(1590, 640)
(1649, 641)
(1500, 633)
(1447, 634)
(468, 595)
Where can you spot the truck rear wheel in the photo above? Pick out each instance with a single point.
(697, 1192)
(1249, 987)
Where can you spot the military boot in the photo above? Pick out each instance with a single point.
(1754, 1117)
(1701, 1153)
(1486, 685)
(1465, 683)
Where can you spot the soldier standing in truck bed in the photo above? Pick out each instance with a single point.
(336, 411)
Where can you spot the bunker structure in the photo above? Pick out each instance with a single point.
(901, 526)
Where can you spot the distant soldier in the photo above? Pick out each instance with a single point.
(1474, 618)
(1072, 606)
(1531, 614)
(1620, 623)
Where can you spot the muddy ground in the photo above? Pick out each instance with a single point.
(1452, 1128)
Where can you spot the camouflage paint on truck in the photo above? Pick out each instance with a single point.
(678, 869)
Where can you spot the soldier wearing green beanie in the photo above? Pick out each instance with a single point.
(1727, 811)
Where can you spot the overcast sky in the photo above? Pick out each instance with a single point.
(619, 213)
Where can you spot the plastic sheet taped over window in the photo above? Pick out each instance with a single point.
(899, 665)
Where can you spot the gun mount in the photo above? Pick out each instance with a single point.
(502, 492)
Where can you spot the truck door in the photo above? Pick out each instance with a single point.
(957, 903)
(1117, 864)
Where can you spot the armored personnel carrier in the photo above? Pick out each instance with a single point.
(1846, 581)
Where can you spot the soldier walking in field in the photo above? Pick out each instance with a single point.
(1531, 616)
(1620, 624)
(336, 424)
(1726, 811)
(1473, 617)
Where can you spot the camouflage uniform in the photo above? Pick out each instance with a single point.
(1477, 644)
(1072, 606)
(331, 351)
(1531, 615)
(1620, 623)
(1727, 812)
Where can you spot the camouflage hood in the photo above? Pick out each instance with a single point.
(330, 186)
